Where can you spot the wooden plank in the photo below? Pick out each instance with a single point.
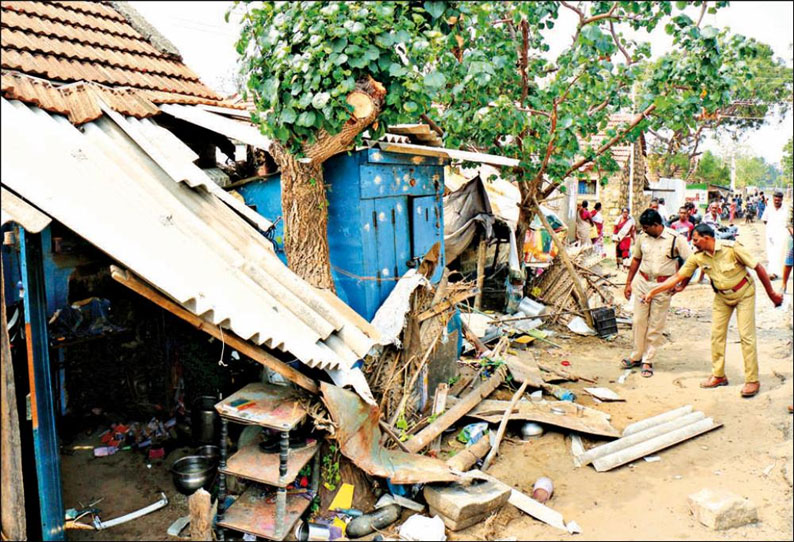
(439, 405)
(200, 507)
(251, 463)
(13, 495)
(503, 425)
(557, 413)
(422, 439)
(254, 352)
(274, 407)
(409, 129)
(524, 370)
(464, 459)
(604, 394)
(252, 513)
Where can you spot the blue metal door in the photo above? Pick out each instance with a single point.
(426, 228)
(392, 243)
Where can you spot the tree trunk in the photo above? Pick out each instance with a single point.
(303, 199)
(305, 214)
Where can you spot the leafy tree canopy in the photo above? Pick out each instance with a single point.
(786, 162)
(712, 169)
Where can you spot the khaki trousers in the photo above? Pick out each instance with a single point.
(724, 304)
(649, 320)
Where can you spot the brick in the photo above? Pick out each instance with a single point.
(720, 509)
(459, 503)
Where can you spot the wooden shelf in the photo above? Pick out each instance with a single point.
(251, 463)
(275, 407)
(252, 514)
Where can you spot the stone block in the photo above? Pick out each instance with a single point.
(459, 503)
(461, 524)
(719, 509)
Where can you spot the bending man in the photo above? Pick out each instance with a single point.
(655, 259)
(726, 264)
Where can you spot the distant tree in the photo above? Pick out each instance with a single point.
(788, 169)
(751, 171)
(712, 169)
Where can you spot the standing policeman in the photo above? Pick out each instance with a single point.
(655, 257)
(726, 264)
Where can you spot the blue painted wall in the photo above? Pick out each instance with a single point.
(384, 209)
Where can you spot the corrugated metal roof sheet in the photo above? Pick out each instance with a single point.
(68, 42)
(15, 209)
(241, 130)
(100, 183)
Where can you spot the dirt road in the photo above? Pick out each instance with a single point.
(648, 501)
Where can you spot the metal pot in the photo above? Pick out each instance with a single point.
(211, 452)
(191, 473)
(205, 422)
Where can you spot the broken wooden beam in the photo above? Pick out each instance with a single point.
(386, 429)
(453, 300)
(481, 251)
(419, 441)
(439, 405)
(254, 352)
(464, 459)
(503, 425)
(200, 506)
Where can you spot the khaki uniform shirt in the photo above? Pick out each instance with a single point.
(658, 253)
(726, 267)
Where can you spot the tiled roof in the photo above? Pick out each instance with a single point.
(89, 42)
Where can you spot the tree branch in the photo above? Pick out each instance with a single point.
(607, 15)
(524, 59)
(702, 13)
(603, 148)
(573, 8)
(623, 50)
(533, 111)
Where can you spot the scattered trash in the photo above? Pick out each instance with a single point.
(677, 477)
(100, 525)
(343, 498)
(622, 378)
(536, 396)
(768, 469)
(542, 489)
(652, 458)
(178, 526)
(418, 527)
(604, 394)
(472, 433)
(104, 451)
(580, 327)
(305, 530)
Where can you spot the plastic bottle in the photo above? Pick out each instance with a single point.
(380, 518)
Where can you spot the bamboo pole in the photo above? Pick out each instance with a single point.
(481, 252)
(254, 352)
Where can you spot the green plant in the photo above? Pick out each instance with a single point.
(330, 468)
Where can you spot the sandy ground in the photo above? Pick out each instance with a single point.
(645, 501)
(648, 501)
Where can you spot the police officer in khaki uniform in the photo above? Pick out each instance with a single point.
(726, 263)
(655, 259)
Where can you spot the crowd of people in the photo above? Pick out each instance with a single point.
(663, 258)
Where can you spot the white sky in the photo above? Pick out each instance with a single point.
(207, 46)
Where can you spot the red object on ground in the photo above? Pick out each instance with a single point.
(304, 481)
(565, 362)
(156, 453)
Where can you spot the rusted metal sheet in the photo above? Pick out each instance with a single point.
(267, 405)
(358, 435)
(557, 413)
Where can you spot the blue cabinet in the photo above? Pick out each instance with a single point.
(384, 209)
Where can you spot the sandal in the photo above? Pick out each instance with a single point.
(647, 370)
(626, 363)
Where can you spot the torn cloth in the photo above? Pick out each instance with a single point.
(358, 435)
(464, 209)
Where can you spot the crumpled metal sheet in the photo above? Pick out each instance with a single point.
(358, 436)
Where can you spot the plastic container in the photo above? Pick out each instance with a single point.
(542, 489)
(532, 308)
(472, 433)
(604, 321)
(206, 423)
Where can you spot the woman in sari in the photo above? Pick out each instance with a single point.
(623, 236)
(583, 223)
(598, 221)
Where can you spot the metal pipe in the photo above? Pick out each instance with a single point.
(656, 420)
(600, 451)
(222, 479)
(162, 503)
